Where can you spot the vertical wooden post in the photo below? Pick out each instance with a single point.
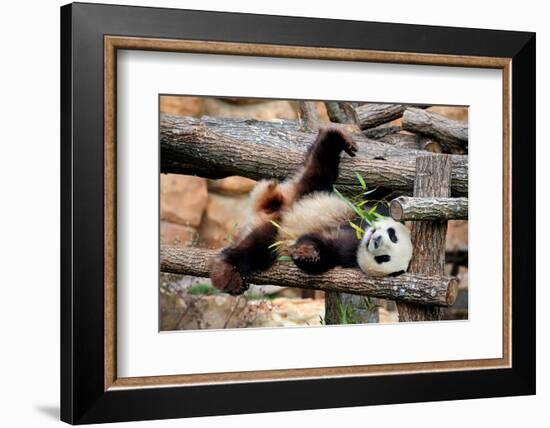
(433, 179)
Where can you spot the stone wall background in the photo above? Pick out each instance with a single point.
(207, 213)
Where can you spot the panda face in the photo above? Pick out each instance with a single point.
(382, 239)
(386, 248)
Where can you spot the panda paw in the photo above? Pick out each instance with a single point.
(226, 278)
(305, 255)
(350, 146)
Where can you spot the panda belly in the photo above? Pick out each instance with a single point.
(319, 213)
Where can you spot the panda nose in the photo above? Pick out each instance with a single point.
(377, 241)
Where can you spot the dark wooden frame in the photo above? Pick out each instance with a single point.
(89, 33)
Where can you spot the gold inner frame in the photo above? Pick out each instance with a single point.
(113, 43)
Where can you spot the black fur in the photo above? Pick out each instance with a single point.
(382, 259)
(322, 161)
(314, 253)
(392, 235)
(399, 272)
(252, 253)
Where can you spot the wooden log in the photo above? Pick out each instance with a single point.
(421, 289)
(452, 134)
(341, 112)
(381, 131)
(370, 115)
(433, 177)
(411, 141)
(307, 114)
(217, 148)
(406, 208)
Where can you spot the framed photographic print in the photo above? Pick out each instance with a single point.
(266, 213)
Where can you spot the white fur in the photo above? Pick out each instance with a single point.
(400, 252)
(316, 213)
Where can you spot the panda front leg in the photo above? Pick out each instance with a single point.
(312, 253)
(315, 253)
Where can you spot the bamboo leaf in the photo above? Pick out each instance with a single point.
(276, 244)
(361, 181)
(358, 231)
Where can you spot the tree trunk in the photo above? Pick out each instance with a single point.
(452, 134)
(417, 288)
(433, 177)
(410, 208)
(217, 148)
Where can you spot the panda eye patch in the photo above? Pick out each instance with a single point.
(392, 235)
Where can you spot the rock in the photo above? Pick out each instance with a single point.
(182, 106)
(183, 199)
(224, 311)
(455, 113)
(457, 235)
(176, 234)
(234, 185)
(267, 110)
(223, 217)
(172, 308)
(388, 316)
(293, 312)
(322, 112)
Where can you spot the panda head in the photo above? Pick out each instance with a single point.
(385, 249)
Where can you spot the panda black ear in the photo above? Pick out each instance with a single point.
(392, 235)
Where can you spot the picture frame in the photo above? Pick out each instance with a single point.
(91, 391)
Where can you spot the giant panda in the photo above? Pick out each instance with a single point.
(303, 218)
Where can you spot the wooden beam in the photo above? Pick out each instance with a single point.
(370, 115)
(217, 148)
(410, 141)
(452, 134)
(419, 289)
(406, 208)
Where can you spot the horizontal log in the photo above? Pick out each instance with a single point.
(406, 208)
(381, 131)
(413, 288)
(370, 115)
(411, 141)
(217, 148)
(452, 134)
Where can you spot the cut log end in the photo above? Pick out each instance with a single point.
(396, 210)
(452, 292)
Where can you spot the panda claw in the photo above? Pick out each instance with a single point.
(305, 253)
